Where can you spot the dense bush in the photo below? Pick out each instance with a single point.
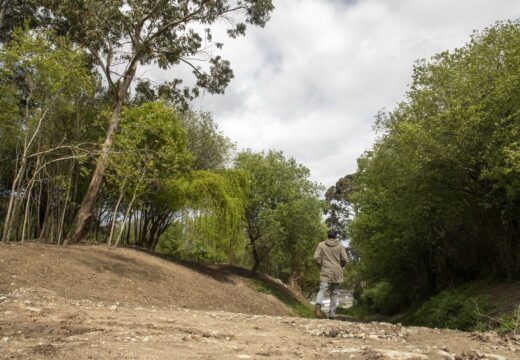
(437, 199)
(381, 298)
(453, 310)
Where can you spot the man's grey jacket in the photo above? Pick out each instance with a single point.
(330, 255)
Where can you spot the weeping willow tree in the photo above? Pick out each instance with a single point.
(161, 185)
(210, 216)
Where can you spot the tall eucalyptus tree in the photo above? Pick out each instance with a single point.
(122, 35)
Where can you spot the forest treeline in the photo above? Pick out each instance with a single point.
(90, 152)
(436, 201)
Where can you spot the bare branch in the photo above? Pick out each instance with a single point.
(172, 24)
(60, 147)
(105, 68)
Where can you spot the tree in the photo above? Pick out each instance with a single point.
(300, 222)
(121, 35)
(339, 208)
(42, 80)
(155, 179)
(209, 208)
(276, 185)
(211, 150)
(19, 13)
(149, 148)
(437, 199)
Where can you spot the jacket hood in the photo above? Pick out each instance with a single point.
(332, 242)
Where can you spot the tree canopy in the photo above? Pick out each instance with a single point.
(44, 84)
(120, 36)
(280, 192)
(436, 199)
(92, 152)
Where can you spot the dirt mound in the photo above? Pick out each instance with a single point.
(128, 276)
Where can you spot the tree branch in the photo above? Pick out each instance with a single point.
(105, 68)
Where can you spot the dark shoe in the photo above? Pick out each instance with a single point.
(317, 311)
(331, 317)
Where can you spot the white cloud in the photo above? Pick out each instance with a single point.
(311, 82)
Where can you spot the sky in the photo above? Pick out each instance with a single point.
(311, 82)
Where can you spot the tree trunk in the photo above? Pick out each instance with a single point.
(126, 218)
(38, 210)
(13, 200)
(27, 212)
(46, 217)
(129, 229)
(256, 257)
(114, 217)
(87, 204)
(62, 220)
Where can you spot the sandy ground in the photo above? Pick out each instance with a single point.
(38, 324)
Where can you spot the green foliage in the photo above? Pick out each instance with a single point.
(453, 310)
(162, 33)
(47, 112)
(283, 215)
(209, 147)
(151, 144)
(508, 323)
(156, 165)
(297, 228)
(338, 205)
(357, 311)
(17, 13)
(210, 207)
(121, 36)
(40, 78)
(381, 298)
(436, 200)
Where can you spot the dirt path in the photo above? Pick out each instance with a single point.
(38, 324)
(90, 302)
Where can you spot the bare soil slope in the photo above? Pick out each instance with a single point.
(128, 276)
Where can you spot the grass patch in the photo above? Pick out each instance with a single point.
(355, 311)
(294, 304)
(508, 323)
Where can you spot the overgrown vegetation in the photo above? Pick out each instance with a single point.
(508, 323)
(453, 310)
(435, 202)
(282, 216)
(87, 155)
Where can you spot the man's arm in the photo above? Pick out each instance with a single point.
(343, 257)
(317, 256)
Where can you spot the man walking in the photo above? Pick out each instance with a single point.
(331, 257)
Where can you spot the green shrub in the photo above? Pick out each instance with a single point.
(453, 310)
(508, 322)
(381, 298)
(356, 311)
